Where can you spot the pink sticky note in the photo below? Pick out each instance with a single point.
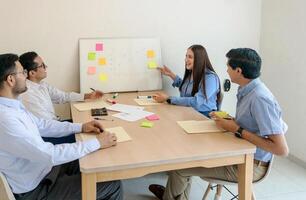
(152, 117)
(91, 70)
(99, 47)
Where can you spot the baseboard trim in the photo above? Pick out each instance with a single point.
(297, 160)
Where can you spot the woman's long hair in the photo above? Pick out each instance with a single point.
(200, 65)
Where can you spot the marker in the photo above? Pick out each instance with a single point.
(111, 101)
(115, 95)
(97, 118)
(144, 97)
(92, 89)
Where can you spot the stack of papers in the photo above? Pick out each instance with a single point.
(128, 112)
(120, 133)
(124, 108)
(133, 116)
(205, 126)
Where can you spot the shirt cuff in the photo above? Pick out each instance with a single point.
(77, 127)
(76, 97)
(176, 81)
(92, 145)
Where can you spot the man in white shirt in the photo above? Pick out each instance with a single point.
(41, 96)
(36, 169)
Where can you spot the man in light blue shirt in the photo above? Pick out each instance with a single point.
(258, 120)
(36, 169)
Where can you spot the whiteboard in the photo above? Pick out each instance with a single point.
(119, 64)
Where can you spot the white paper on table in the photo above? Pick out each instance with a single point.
(124, 108)
(134, 116)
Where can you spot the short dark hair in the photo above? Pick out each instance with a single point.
(7, 66)
(247, 59)
(27, 60)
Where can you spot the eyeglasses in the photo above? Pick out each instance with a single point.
(24, 72)
(43, 65)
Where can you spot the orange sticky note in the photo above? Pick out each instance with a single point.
(152, 65)
(91, 70)
(103, 77)
(102, 61)
(150, 54)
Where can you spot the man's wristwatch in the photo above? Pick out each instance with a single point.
(168, 101)
(238, 133)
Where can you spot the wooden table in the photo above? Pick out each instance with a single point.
(163, 147)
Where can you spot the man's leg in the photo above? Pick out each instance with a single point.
(60, 140)
(179, 182)
(64, 182)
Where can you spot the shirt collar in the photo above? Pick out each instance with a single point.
(13, 103)
(242, 91)
(32, 84)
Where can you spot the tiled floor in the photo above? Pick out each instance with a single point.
(287, 181)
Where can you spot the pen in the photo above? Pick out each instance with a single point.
(144, 97)
(92, 89)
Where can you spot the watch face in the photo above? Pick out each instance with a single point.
(237, 134)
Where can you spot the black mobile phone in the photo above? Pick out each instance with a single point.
(99, 112)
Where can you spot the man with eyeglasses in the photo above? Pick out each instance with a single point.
(41, 96)
(36, 169)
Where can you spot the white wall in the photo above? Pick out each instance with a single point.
(52, 28)
(283, 47)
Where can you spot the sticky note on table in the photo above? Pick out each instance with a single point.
(150, 54)
(91, 70)
(91, 56)
(152, 65)
(102, 61)
(103, 77)
(120, 133)
(205, 126)
(147, 124)
(221, 114)
(99, 47)
(152, 117)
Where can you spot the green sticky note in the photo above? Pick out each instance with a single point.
(147, 124)
(152, 65)
(221, 114)
(91, 56)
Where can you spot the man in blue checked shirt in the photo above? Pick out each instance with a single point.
(36, 169)
(258, 120)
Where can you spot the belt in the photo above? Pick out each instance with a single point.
(261, 163)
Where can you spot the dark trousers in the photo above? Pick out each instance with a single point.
(61, 140)
(64, 183)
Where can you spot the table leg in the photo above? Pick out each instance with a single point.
(89, 186)
(245, 177)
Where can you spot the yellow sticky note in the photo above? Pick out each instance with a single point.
(103, 77)
(222, 114)
(152, 65)
(102, 61)
(147, 124)
(150, 54)
(91, 56)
